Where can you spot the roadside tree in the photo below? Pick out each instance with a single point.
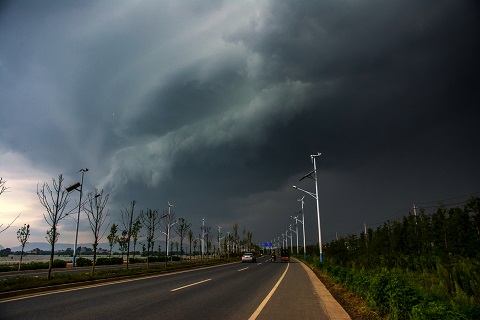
(182, 229)
(112, 237)
(3, 189)
(96, 217)
(22, 235)
(150, 220)
(54, 201)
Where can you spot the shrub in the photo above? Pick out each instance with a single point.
(435, 310)
(58, 263)
(109, 261)
(83, 262)
(136, 260)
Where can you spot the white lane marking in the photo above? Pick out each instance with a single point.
(190, 285)
(243, 269)
(264, 302)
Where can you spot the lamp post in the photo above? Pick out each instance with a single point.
(169, 224)
(69, 189)
(315, 196)
(296, 229)
(303, 225)
(291, 239)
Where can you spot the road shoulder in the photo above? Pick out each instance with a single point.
(333, 308)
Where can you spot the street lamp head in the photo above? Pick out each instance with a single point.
(73, 187)
(294, 187)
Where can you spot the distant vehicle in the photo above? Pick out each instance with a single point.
(249, 257)
(285, 255)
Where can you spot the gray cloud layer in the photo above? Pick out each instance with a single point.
(216, 106)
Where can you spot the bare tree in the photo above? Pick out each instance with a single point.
(190, 240)
(22, 235)
(127, 221)
(235, 238)
(4, 188)
(208, 240)
(195, 243)
(182, 229)
(150, 220)
(96, 215)
(55, 202)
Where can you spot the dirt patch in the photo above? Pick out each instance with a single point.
(355, 306)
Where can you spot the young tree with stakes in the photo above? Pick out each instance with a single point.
(54, 201)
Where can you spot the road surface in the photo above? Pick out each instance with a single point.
(262, 290)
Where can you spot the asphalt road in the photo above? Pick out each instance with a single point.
(262, 290)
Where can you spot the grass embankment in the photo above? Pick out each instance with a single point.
(402, 294)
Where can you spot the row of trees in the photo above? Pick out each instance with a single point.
(154, 225)
(55, 199)
(444, 233)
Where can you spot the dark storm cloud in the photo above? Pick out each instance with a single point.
(216, 106)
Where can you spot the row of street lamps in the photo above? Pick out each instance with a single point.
(312, 175)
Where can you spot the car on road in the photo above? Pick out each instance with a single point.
(249, 257)
(285, 255)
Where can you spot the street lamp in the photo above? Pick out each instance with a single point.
(296, 228)
(169, 224)
(303, 225)
(291, 240)
(315, 196)
(69, 189)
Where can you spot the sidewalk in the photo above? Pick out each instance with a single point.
(301, 295)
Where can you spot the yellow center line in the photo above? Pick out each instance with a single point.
(243, 269)
(190, 285)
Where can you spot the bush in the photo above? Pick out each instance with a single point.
(109, 261)
(435, 310)
(83, 262)
(136, 260)
(58, 263)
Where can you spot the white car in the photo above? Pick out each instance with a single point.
(249, 257)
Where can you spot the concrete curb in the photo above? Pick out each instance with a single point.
(334, 309)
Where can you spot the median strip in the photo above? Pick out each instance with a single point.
(190, 285)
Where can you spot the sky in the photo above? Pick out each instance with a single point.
(217, 107)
